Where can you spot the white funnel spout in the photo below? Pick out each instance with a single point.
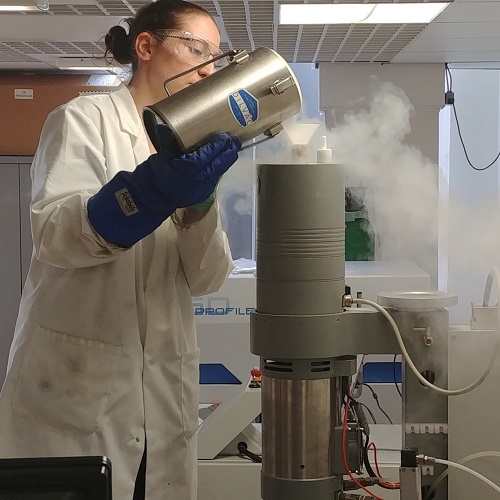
(300, 134)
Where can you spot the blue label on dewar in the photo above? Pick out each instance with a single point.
(244, 107)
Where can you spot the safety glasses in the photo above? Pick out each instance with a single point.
(192, 48)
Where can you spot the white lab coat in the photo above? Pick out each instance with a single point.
(104, 351)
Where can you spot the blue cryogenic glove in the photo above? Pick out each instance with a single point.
(133, 204)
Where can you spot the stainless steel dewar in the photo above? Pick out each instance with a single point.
(252, 95)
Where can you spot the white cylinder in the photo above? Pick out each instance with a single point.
(324, 154)
(300, 238)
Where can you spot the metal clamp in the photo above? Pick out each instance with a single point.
(281, 85)
(240, 57)
(274, 130)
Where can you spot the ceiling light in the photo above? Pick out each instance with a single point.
(386, 13)
(89, 64)
(22, 5)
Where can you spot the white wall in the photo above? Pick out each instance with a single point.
(308, 77)
(473, 216)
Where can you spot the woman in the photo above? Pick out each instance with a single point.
(104, 355)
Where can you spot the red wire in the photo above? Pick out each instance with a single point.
(344, 457)
(395, 485)
(390, 486)
(372, 445)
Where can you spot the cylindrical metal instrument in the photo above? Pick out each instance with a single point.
(300, 284)
(250, 96)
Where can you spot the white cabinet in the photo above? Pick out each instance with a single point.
(15, 245)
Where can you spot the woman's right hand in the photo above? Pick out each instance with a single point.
(191, 178)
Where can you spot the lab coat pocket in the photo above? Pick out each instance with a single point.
(65, 381)
(190, 373)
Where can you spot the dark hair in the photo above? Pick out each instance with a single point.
(152, 17)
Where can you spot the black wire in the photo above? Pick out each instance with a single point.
(366, 460)
(369, 468)
(243, 449)
(394, 373)
(375, 397)
(465, 150)
(449, 84)
(372, 416)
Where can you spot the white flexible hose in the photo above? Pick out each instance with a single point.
(470, 471)
(494, 274)
(464, 460)
(414, 369)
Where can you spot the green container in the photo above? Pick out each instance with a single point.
(359, 236)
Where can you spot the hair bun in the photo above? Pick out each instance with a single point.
(115, 34)
(117, 43)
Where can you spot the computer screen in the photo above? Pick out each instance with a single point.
(66, 478)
